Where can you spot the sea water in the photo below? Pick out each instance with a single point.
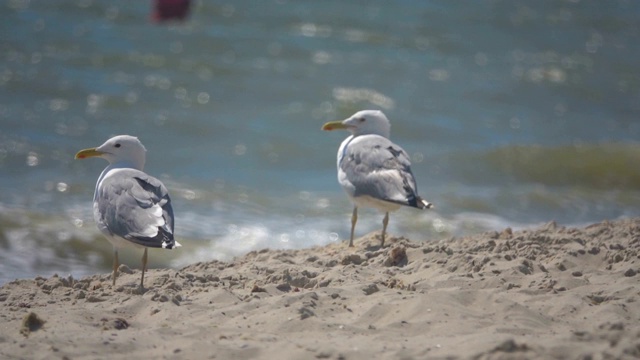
(514, 113)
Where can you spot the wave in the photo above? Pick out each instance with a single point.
(597, 166)
(43, 244)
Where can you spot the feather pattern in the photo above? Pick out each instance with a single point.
(372, 165)
(135, 206)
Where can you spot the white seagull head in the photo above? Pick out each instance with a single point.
(122, 150)
(365, 122)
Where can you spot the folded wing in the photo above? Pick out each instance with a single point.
(373, 165)
(136, 207)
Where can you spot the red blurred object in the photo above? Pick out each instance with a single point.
(165, 10)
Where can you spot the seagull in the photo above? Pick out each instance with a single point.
(129, 206)
(372, 170)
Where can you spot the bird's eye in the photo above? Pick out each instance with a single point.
(117, 145)
(362, 119)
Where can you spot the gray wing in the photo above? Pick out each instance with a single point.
(137, 207)
(375, 166)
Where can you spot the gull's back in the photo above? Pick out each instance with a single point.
(131, 205)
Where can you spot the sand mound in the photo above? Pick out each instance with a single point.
(551, 292)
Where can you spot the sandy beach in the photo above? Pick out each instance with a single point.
(546, 293)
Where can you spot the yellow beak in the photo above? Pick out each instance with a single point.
(333, 125)
(87, 153)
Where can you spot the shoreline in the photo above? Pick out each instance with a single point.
(548, 292)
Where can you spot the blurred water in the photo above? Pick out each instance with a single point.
(514, 113)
